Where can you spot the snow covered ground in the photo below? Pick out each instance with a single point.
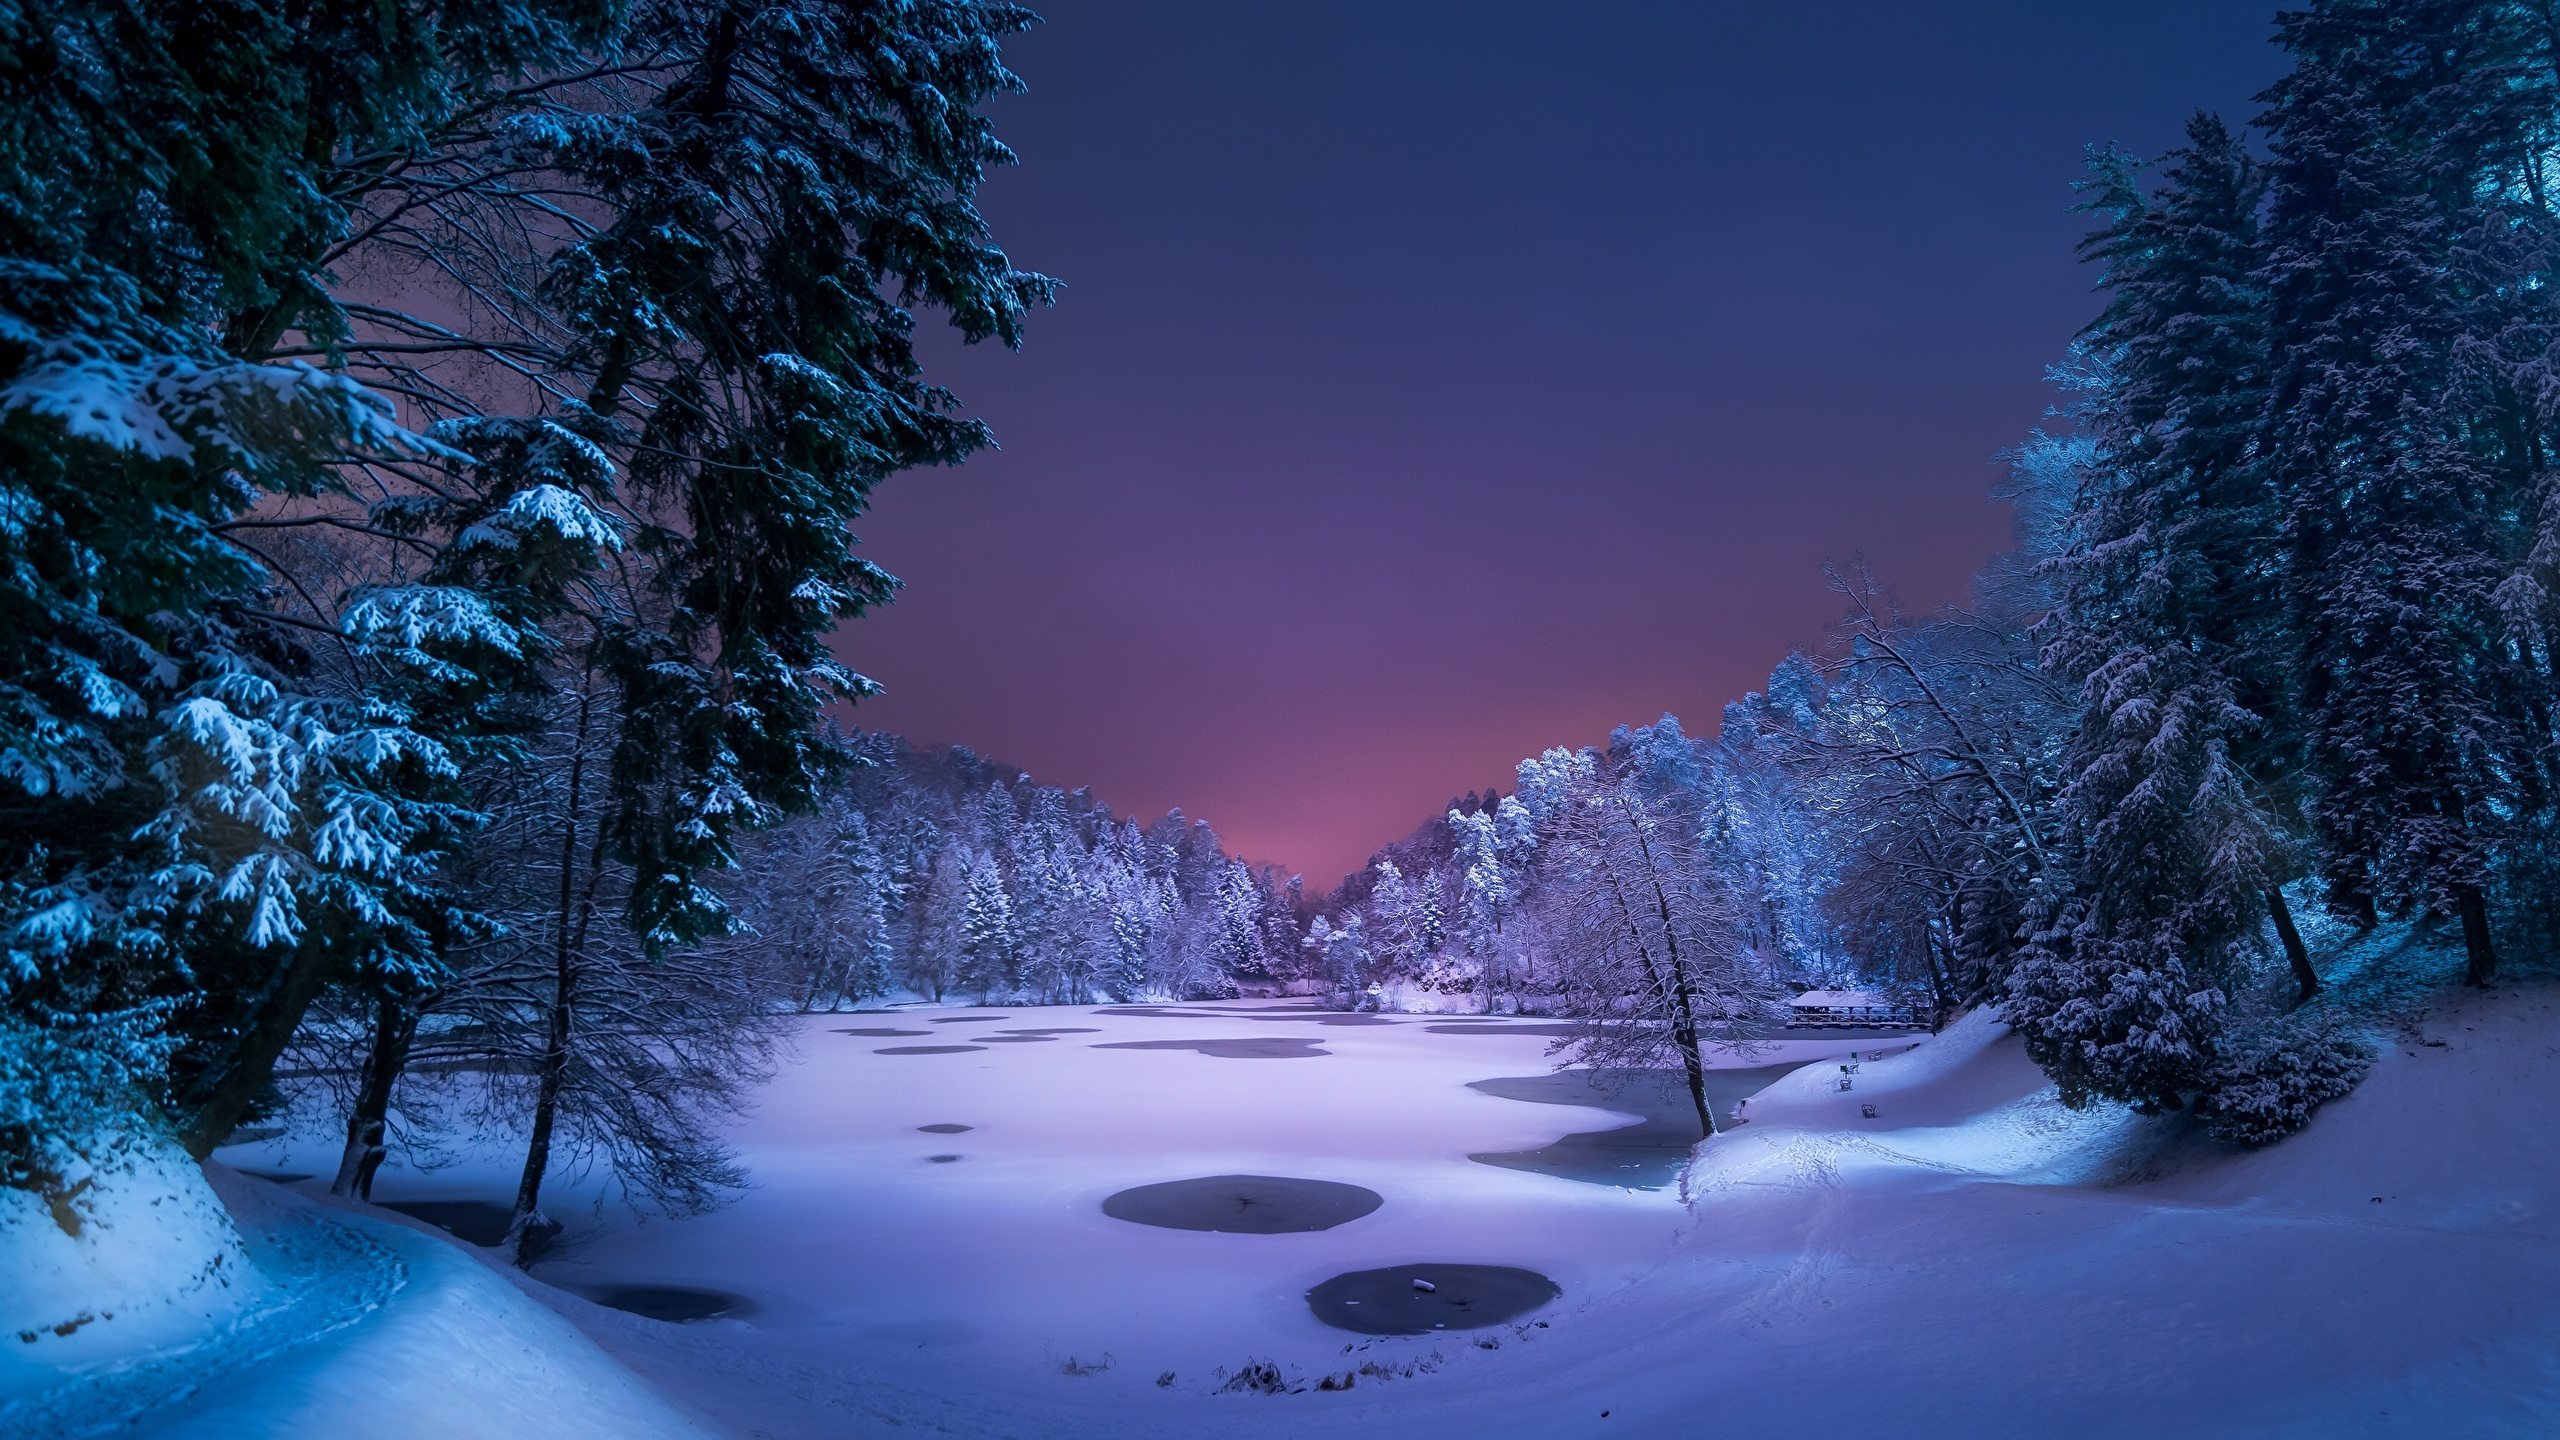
(1973, 1260)
(325, 1322)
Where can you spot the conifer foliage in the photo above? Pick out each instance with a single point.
(375, 382)
(992, 888)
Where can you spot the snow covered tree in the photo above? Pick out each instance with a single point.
(662, 305)
(2168, 858)
(989, 945)
(2406, 145)
(1644, 942)
(869, 964)
(1138, 911)
(1237, 930)
(1485, 894)
(1932, 744)
(1340, 951)
(934, 963)
(1406, 921)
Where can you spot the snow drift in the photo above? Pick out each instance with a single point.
(170, 1301)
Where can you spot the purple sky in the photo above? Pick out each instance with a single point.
(1437, 383)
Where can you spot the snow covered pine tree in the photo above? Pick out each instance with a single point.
(696, 363)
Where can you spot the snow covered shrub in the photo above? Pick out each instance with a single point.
(1259, 1377)
(63, 1081)
(2118, 1021)
(2270, 1078)
(1451, 974)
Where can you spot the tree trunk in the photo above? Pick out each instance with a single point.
(1653, 979)
(253, 1059)
(1684, 1016)
(2478, 947)
(395, 1025)
(1941, 983)
(522, 1226)
(2306, 979)
(1684, 1031)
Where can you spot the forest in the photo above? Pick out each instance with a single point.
(429, 447)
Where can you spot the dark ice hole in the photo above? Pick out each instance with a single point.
(1462, 1297)
(926, 1049)
(1644, 1156)
(945, 1128)
(882, 1032)
(674, 1304)
(1284, 1014)
(482, 1222)
(1253, 1047)
(1244, 1204)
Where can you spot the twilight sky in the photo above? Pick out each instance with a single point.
(1435, 383)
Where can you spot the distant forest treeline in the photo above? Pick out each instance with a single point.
(943, 874)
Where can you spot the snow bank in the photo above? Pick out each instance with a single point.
(1967, 1103)
(456, 1353)
(205, 1304)
(140, 1258)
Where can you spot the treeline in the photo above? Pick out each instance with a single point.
(429, 440)
(2280, 624)
(939, 874)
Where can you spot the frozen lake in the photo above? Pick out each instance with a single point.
(987, 1250)
(880, 1237)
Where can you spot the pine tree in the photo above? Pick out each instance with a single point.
(2392, 142)
(872, 970)
(2168, 856)
(1340, 951)
(1237, 927)
(1485, 894)
(990, 948)
(709, 367)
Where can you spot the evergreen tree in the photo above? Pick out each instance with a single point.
(2392, 143)
(2170, 624)
(869, 965)
(990, 950)
(1237, 927)
(691, 341)
(1485, 894)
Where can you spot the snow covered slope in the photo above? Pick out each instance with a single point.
(333, 1324)
(141, 1258)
